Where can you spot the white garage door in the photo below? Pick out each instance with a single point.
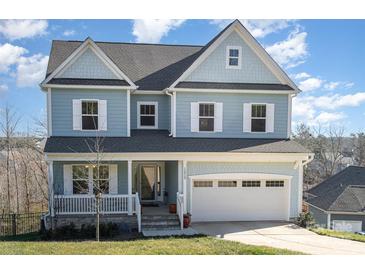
(348, 226)
(240, 200)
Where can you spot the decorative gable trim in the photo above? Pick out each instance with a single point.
(252, 43)
(89, 44)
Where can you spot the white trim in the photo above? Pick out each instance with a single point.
(249, 91)
(288, 189)
(239, 48)
(139, 103)
(87, 87)
(149, 92)
(128, 113)
(329, 220)
(174, 114)
(50, 188)
(49, 112)
(253, 44)
(289, 114)
(239, 176)
(185, 177)
(130, 209)
(300, 187)
(180, 176)
(88, 43)
(90, 100)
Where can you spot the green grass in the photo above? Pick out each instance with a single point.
(339, 234)
(166, 246)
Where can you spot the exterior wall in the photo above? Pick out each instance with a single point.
(232, 114)
(349, 217)
(213, 69)
(62, 122)
(171, 181)
(319, 216)
(58, 184)
(200, 168)
(88, 65)
(163, 109)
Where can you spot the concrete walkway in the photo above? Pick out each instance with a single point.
(280, 235)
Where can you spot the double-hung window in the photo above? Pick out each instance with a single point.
(206, 117)
(80, 179)
(258, 118)
(147, 114)
(234, 55)
(101, 179)
(89, 115)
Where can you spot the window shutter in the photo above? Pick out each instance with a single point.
(218, 119)
(247, 117)
(113, 182)
(67, 180)
(76, 114)
(194, 117)
(270, 117)
(102, 107)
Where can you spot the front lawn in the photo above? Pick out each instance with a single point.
(339, 234)
(165, 246)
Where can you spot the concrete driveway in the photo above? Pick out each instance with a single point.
(280, 235)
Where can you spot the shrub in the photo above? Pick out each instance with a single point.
(305, 220)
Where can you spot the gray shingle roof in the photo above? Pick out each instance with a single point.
(159, 141)
(219, 85)
(344, 191)
(84, 81)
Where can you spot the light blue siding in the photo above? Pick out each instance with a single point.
(320, 217)
(200, 168)
(58, 184)
(232, 114)
(163, 109)
(62, 122)
(213, 69)
(88, 65)
(171, 180)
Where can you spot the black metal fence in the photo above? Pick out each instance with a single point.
(16, 224)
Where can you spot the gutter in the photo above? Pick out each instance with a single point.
(168, 92)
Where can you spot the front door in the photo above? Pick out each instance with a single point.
(148, 182)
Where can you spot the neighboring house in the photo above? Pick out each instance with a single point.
(339, 202)
(203, 127)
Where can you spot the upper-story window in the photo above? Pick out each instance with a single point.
(234, 57)
(258, 118)
(90, 115)
(206, 117)
(147, 114)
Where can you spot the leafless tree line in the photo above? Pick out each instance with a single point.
(23, 171)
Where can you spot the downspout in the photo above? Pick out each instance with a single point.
(167, 92)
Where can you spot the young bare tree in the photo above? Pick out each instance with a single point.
(358, 151)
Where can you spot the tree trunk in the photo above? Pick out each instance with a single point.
(97, 196)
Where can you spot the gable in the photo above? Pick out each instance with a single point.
(213, 68)
(89, 66)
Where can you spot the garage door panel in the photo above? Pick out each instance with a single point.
(239, 203)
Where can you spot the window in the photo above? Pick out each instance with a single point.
(274, 183)
(80, 179)
(251, 183)
(234, 57)
(258, 118)
(206, 117)
(203, 183)
(227, 183)
(147, 114)
(101, 179)
(89, 115)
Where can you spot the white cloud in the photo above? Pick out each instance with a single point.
(331, 85)
(70, 32)
(9, 55)
(302, 75)
(31, 70)
(3, 87)
(17, 29)
(290, 52)
(325, 118)
(310, 84)
(259, 28)
(152, 30)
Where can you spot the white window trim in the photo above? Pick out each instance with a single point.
(90, 177)
(210, 103)
(90, 100)
(258, 132)
(139, 103)
(228, 66)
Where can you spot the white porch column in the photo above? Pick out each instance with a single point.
(50, 188)
(130, 206)
(300, 185)
(185, 176)
(180, 176)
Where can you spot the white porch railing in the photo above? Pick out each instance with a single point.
(86, 204)
(180, 208)
(137, 209)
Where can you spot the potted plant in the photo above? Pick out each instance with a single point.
(187, 220)
(172, 208)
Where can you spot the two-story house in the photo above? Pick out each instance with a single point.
(204, 127)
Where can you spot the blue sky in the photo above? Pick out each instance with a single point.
(324, 57)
